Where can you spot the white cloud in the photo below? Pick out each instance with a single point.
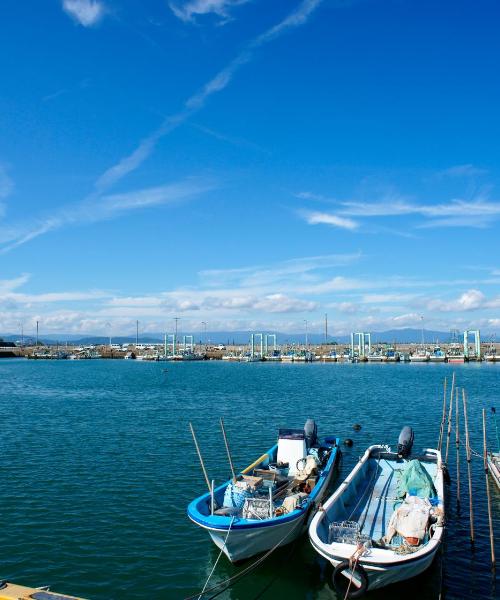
(470, 300)
(85, 12)
(188, 9)
(321, 218)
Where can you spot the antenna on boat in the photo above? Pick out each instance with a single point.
(200, 457)
(227, 448)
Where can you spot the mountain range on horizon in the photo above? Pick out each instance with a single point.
(402, 336)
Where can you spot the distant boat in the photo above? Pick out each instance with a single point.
(271, 502)
(419, 356)
(437, 355)
(385, 523)
(392, 355)
(456, 353)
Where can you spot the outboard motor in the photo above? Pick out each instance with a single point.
(311, 433)
(405, 441)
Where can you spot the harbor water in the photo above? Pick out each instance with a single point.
(98, 466)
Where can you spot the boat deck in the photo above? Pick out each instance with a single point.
(373, 505)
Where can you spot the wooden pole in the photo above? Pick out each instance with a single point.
(468, 455)
(490, 521)
(227, 448)
(457, 444)
(200, 457)
(443, 418)
(449, 419)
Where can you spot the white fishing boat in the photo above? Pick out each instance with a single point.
(271, 502)
(385, 522)
(419, 356)
(456, 353)
(437, 355)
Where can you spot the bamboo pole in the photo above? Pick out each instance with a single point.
(200, 457)
(457, 444)
(485, 460)
(443, 418)
(449, 419)
(468, 455)
(227, 448)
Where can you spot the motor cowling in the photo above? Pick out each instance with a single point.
(311, 433)
(405, 441)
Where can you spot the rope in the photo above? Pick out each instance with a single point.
(244, 572)
(356, 555)
(215, 564)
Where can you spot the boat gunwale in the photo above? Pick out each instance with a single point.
(207, 521)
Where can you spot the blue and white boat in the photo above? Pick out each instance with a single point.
(272, 501)
(385, 522)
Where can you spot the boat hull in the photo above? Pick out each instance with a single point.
(245, 543)
(379, 576)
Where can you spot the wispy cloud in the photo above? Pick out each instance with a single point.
(187, 10)
(8, 285)
(467, 170)
(323, 218)
(103, 208)
(478, 212)
(84, 12)
(6, 183)
(197, 101)
(300, 270)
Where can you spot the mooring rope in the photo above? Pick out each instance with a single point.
(215, 564)
(228, 582)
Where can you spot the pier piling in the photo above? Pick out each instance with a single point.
(488, 497)
(469, 475)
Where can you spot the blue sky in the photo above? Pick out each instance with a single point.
(251, 164)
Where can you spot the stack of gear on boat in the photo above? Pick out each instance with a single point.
(415, 506)
(268, 493)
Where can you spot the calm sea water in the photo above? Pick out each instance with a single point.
(97, 467)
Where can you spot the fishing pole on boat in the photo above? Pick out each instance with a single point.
(468, 458)
(490, 521)
(201, 459)
(227, 448)
(443, 418)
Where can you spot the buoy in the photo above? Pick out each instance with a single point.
(356, 427)
(348, 442)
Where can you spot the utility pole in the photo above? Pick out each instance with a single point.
(326, 328)
(176, 319)
(37, 333)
